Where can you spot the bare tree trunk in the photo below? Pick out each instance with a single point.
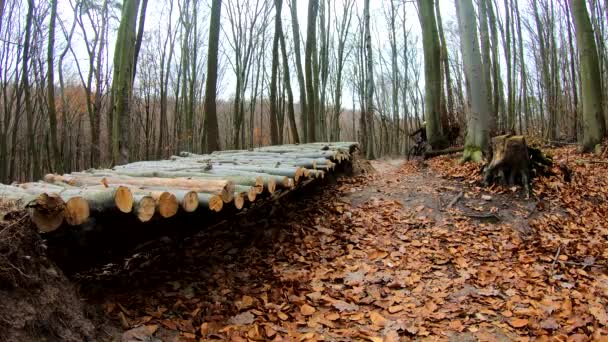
(311, 46)
(274, 99)
(29, 110)
(140, 34)
(211, 124)
(122, 82)
(287, 80)
(52, 109)
(369, 92)
(301, 83)
(523, 75)
(594, 127)
(485, 56)
(446, 64)
(432, 74)
(477, 123)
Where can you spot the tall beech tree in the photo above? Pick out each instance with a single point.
(212, 131)
(476, 142)
(432, 73)
(122, 82)
(309, 60)
(594, 127)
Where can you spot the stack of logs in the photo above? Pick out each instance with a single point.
(182, 184)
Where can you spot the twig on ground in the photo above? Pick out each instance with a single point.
(580, 161)
(455, 199)
(482, 216)
(13, 224)
(559, 249)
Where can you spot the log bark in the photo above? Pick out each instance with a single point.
(238, 178)
(224, 188)
(101, 199)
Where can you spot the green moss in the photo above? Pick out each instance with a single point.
(473, 154)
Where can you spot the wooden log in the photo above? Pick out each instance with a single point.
(250, 192)
(239, 200)
(47, 212)
(238, 178)
(187, 199)
(102, 198)
(291, 172)
(15, 195)
(211, 202)
(166, 203)
(77, 211)
(275, 160)
(224, 188)
(285, 171)
(435, 153)
(144, 207)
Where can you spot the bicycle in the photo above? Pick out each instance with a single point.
(418, 149)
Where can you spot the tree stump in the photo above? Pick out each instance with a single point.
(510, 162)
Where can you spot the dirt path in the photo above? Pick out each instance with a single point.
(377, 257)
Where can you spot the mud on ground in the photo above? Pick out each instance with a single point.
(37, 302)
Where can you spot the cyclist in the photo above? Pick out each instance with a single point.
(421, 145)
(420, 134)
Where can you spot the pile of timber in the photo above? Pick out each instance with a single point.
(179, 185)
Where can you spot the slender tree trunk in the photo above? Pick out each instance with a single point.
(445, 61)
(211, 124)
(497, 88)
(485, 57)
(524, 76)
(594, 127)
(29, 109)
(122, 82)
(274, 99)
(476, 141)
(300, 73)
(57, 158)
(311, 46)
(432, 74)
(287, 80)
(369, 80)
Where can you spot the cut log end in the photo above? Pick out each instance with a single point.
(252, 194)
(239, 201)
(271, 186)
(190, 202)
(47, 212)
(144, 208)
(216, 203)
(259, 184)
(77, 211)
(167, 205)
(123, 199)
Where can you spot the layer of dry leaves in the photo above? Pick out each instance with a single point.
(383, 258)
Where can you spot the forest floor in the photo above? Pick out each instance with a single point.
(416, 250)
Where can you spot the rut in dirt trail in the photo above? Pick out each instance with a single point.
(407, 251)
